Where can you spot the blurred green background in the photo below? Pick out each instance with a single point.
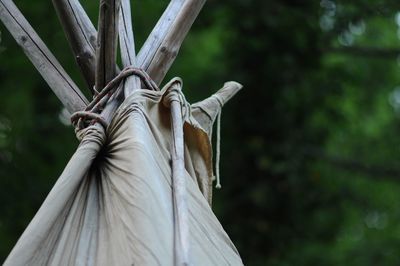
(310, 147)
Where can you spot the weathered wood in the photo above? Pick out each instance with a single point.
(81, 36)
(156, 47)
(174, 34)
(81, 30)
(157, 35)
(173, 24)
(107, 40)
(161, 46)
(127, 46)
(181, 212)
(41, 57)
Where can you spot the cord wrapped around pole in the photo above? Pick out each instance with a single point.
(93, 110)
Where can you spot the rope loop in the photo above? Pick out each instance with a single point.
(91, 114)
(174, 93)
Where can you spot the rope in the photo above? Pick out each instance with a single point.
(176, 94)
(92, 111)
(90, 116)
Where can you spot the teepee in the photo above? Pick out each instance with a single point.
(138, 189)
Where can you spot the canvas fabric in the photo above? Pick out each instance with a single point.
(112, 205)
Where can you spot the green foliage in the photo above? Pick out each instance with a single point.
(309, 148)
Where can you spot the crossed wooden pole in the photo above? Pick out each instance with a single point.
(95, 52)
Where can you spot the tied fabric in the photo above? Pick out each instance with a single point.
(112, 205)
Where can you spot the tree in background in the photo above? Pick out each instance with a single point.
(309, 147)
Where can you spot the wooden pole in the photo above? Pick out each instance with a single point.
(107, 40)
(164, 41)
(127, 46)
(41, 57)
(81, 36)
(160, 48)
(157, 35)
(181, 14)
(181, 212)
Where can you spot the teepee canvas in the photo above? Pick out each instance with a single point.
(138, 189)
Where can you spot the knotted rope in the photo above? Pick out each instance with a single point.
(174, 93)
(91, 114)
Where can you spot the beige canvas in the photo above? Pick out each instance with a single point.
(113, 203)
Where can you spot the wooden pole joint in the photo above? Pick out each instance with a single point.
(95, 53)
